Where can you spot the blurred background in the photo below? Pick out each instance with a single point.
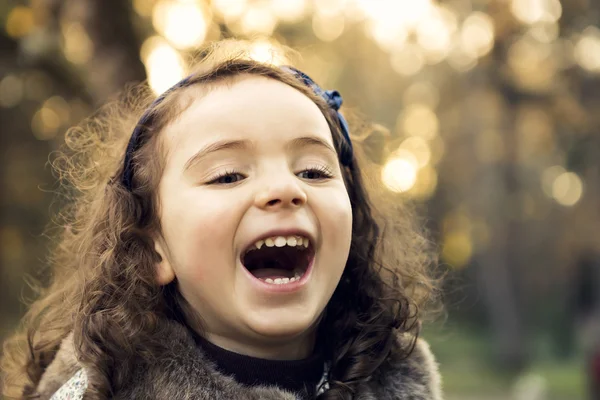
(491, 109)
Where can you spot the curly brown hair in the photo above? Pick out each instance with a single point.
(103, 285)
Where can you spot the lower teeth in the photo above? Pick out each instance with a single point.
(282, 281)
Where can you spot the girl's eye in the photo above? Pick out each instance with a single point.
(317, 173)
(226, 178)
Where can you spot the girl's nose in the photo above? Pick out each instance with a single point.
(281, 192)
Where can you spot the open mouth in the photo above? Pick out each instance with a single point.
(280, 259)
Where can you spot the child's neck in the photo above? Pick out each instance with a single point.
(293, 349)
(300, 376)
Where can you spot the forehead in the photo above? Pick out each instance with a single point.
(254, 108)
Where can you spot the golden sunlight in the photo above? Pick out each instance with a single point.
(400, 172)
(419, 120)
(532, 11)
(77, 45)
(419, 148)
(182, 24)
(19, 21)
(567, 189)
(229, 10)
(457, 249)
(425, 184)
(408, 60)
(290, 11)
(477, 34)
(45, 124)
(328, 27)
(587, 49)
(267, 52)
(258, 20)
(164, 64)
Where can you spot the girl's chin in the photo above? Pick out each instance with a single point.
(283, 323)
(282, 326)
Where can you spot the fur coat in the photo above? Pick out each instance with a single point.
(185, 373)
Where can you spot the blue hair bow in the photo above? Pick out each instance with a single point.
(334, 100)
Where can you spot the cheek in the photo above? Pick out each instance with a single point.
(199, 232)
(336, 220)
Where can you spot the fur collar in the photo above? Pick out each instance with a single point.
(184, 373)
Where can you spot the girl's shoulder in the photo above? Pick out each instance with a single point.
(64, 374)
(415, 376)
(74, 388)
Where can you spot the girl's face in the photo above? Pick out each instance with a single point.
(252, 161)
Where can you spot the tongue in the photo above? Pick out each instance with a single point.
(273, 273)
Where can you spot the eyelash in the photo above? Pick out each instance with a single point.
(321, 169)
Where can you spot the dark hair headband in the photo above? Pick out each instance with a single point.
(332, 97)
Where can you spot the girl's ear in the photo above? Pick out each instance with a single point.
(164, 271)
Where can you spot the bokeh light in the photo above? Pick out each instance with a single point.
(423, 92)
(258, 20)
(330, 8)
(548, 178)
(434, 35)
(328, 28)
(419, 148)
(461, 60)
(533, 11)
(388, 39)
(408, 60)
(477, 34)
(567, 189)
(418, 120)
(545, 32)
(532, 64)
(407, 14)
(183, 24)
(45, 123)
(19, 21)
(77, 45)
(143, 7)
(587, 49)
(229, 10)
(60, 107)
(457, 249)
(269, 52)
(164, 65)
(290, 11)
(399, 173)
(425, 183)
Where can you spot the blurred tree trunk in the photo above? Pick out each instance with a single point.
(114, 60)
(489, 198)
(496, 277)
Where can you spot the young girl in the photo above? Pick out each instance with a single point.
(221, 245)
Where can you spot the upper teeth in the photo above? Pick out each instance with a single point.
(280, 241)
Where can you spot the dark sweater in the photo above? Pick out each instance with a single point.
(297, 376)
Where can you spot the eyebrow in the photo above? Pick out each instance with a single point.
(304, 141)
(214, 147)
